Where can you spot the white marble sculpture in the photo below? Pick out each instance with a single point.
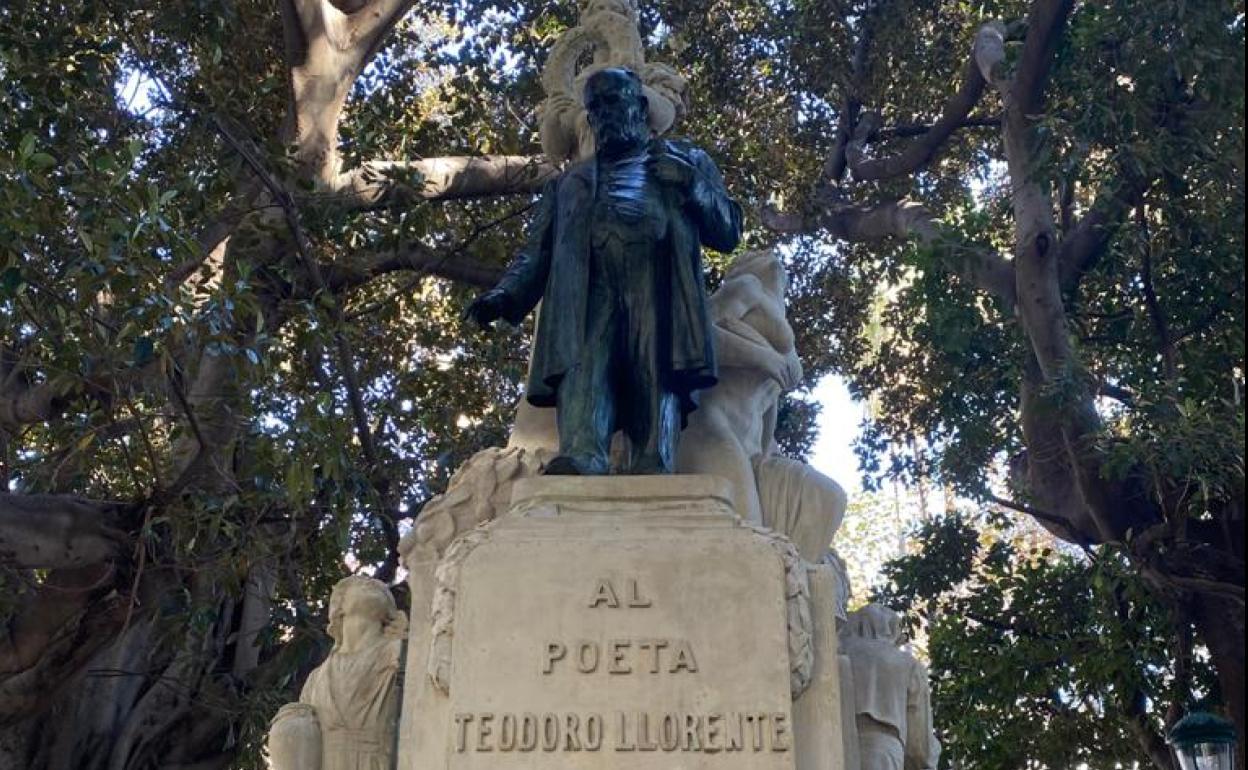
(732, 434)
(892, 703)
(480, 490)
(735, 422)
(801, 502)
(347, 714)
(844, 590)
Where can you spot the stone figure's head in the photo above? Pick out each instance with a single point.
(875, 621)
(622, 7)
(765, 265)
(362, 607)
(617, 110)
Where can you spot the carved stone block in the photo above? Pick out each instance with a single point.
(613, 623)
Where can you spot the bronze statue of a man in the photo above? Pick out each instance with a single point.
(623, 338)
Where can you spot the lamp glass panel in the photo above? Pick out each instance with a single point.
(1206, 756)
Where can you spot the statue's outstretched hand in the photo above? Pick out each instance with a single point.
(487, 308)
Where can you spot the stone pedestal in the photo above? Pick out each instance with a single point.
(617, 623)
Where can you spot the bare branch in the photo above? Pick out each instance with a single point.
(910, 130)
(1156, 314)
(1118, 393)
(371, 20)
(834, 167)
(1086, 243)
(59, 531)
(1032, 511)
(365, 267)
(449, 264)
(32, 405)
(785, 222)
(988, 53)
(327, 45)
(378, 183)
(1045, 22)
(984, 268)
(925, 147)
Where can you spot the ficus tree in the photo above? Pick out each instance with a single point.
(235, 240)
(1042, 657)
(1060, 232)
(224, 363)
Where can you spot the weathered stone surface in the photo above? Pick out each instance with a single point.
(818, 722)
(609, 623)
(346, 715)
(735, 423)
(891, 701)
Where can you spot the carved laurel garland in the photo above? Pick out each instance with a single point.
(443, 610)
(798, 607)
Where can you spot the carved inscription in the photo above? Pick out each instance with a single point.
(726, 732)
(621, 656)
(624, 731)
(605, 596)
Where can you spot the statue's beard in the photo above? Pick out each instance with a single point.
(615, 137)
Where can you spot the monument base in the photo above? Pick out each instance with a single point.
(619, 623)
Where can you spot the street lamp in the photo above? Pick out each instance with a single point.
(1204, 741)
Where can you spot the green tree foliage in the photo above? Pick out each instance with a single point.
(236, 238)
(1042, 659)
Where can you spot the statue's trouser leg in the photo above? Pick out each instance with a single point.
(586, 399)
(650, 413)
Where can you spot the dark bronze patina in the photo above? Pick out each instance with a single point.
(623, 338)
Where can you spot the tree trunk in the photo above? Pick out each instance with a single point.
(1220, 623)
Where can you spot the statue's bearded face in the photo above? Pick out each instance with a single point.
(617, 111)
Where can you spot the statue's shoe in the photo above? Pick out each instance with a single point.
(562, 466)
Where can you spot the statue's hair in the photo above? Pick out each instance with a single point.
(628, 72)
(633, 76)
(875, 621)
(388, 613)
(753, 262)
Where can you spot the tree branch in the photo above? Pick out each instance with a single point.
(1045, 22)
(851, 104)
(1032, 511)
(910, 130)
(1045, 469)
(1117, 392)
(59, 531)
(53, 635)
(327, 45)
(32, 405)
(415, 257)
(927, 145)
(379, 183)
(1156, 314)
(370, 22)
(1083, 247)
(988, 53)
(983, 268)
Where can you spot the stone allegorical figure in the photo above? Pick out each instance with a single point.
(892, 702)
(347, 714)
(614, 253)
(736, 422)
